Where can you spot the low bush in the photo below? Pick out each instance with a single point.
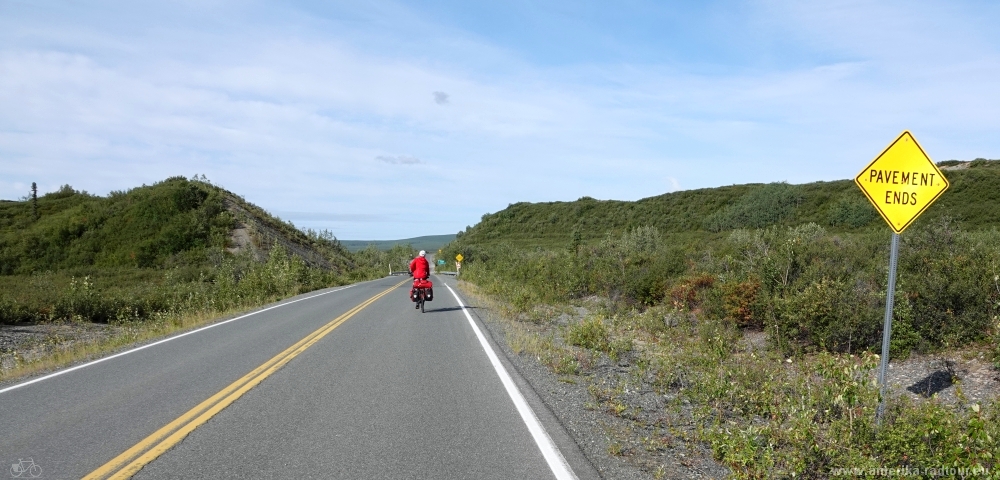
(687, 292)
(117, 294)
(810, 289)
(825, 315)
(742, 303)
(762, 206)
(590, 333)
(852, 211)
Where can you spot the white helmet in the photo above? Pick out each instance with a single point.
(423, 253)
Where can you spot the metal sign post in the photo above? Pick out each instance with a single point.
(901, 183)
(890, 297)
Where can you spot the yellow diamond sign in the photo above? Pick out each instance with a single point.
(902, 182)
(459, 257)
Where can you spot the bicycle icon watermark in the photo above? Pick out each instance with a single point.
(25, 469)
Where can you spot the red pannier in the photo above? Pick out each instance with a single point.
(429, 295)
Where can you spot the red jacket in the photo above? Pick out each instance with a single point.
(419, 268)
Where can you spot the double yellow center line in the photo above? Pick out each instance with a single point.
(133, 459)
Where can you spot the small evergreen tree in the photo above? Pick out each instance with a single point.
(34, 200)
(575, 240)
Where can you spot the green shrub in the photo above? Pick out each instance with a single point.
(853, 212)
(141, 228)
(766, 422)
(108, 295)
(825, 315)
(742, 303)
(947, 278)
(686, 293)
(590, 333)
(632, 268)
(763, 206)
(932, 435)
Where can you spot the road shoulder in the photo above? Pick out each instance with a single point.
(560, 406)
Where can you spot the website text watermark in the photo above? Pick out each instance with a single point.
(953, 472)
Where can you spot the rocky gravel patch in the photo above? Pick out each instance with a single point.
(22, 343)
(967, 373)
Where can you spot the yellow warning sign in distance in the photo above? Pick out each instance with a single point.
(902, 182)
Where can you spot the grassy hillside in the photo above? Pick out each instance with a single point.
(973, 201)
(429, 242)
(176, 222)
(176, 246)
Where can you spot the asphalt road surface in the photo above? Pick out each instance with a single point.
(341, 383)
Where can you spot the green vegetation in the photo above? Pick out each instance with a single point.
(972, 201)
(161, 250)
(175, 221)
(683, 278)
(767, 205)
(810, 289)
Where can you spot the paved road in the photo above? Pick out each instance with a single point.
(387, 393)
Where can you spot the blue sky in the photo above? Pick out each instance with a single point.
(384, 120)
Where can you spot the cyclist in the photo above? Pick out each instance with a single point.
(419, 268)
(421, 271)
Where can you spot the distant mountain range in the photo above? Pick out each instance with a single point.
(429, 242)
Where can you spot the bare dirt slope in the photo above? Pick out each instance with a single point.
(257, 232)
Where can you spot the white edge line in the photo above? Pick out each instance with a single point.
(557, 463)
(60, 372)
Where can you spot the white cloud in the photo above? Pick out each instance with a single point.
(673, 185)
(399, 159)
(290, 108)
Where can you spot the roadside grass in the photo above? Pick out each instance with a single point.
(121, 335)
(529, 336)
(137, 306)
(761, 412)
(118, 294)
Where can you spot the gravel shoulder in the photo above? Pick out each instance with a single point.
(25, 343)
(645, 446)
